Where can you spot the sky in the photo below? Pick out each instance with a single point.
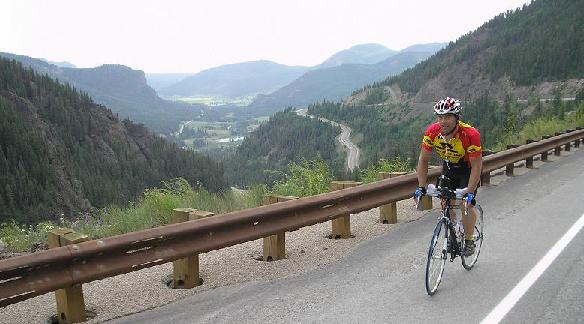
(176, 36)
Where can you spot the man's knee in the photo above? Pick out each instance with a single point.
(464, 205)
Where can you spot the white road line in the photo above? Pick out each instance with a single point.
(497, 314)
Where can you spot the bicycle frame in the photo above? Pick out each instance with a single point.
(446, 239)
(446, 196)
(456, 246)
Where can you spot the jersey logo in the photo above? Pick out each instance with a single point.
(428, 141)
(473, 149)
(452, 151)
(444, 145)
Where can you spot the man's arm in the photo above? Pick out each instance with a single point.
(475, 173)
(422, 169)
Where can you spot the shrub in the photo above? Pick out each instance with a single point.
(308, 178)
(398, 164)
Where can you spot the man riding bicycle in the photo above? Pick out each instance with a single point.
(459, 146)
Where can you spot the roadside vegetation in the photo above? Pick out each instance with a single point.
(534, 130)
(153, 209)
(396, 164)
(307, 178)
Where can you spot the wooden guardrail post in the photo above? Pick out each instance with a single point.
(577, 142)
(568, 145)
(70, 301)
(544, 155)
(275, 245)
(388, 212)
(510, 167)
(558, 150)
(486, 177)
(529, 160)
(341, 226)
(185, 271)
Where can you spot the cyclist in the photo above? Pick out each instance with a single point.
(459, 146)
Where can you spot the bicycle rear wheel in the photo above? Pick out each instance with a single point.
(469, 261)
(437, 254)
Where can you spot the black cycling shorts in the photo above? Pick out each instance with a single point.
(459, 176)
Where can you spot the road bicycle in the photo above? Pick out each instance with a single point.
(448, 236)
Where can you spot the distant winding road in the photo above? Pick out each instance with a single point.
(344, 138)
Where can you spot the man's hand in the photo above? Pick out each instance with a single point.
(469, 197)
(419, 192)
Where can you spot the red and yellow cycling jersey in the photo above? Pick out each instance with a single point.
(465, 144)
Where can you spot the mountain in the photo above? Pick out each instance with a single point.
(336, 82)
(120, 88)
(256, 77)
(62, 64)
(535, 51)
(358, 54)
(236, 80)
(429, 47)
(159, 81)
(60, 153)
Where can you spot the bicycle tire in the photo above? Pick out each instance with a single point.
(469, 262)
(437, 255)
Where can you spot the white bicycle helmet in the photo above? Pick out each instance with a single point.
(447, 106)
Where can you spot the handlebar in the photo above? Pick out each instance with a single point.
(443, 193)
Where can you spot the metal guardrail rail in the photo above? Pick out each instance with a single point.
(46, 271)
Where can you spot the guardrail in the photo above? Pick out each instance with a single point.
(46, 271)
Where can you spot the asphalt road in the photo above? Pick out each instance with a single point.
(353, 150)
(383, 280)
(344, 139)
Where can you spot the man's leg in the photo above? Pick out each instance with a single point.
(468, 221)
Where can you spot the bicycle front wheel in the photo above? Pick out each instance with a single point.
(469, 261)
(437, 254)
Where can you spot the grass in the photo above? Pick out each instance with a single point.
(396, 165)
(538, 128)
(152, 210)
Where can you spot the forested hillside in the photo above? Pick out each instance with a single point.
(122, 89)
(60, 153)
(385, 132)
(515, 53)
(264, 155)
